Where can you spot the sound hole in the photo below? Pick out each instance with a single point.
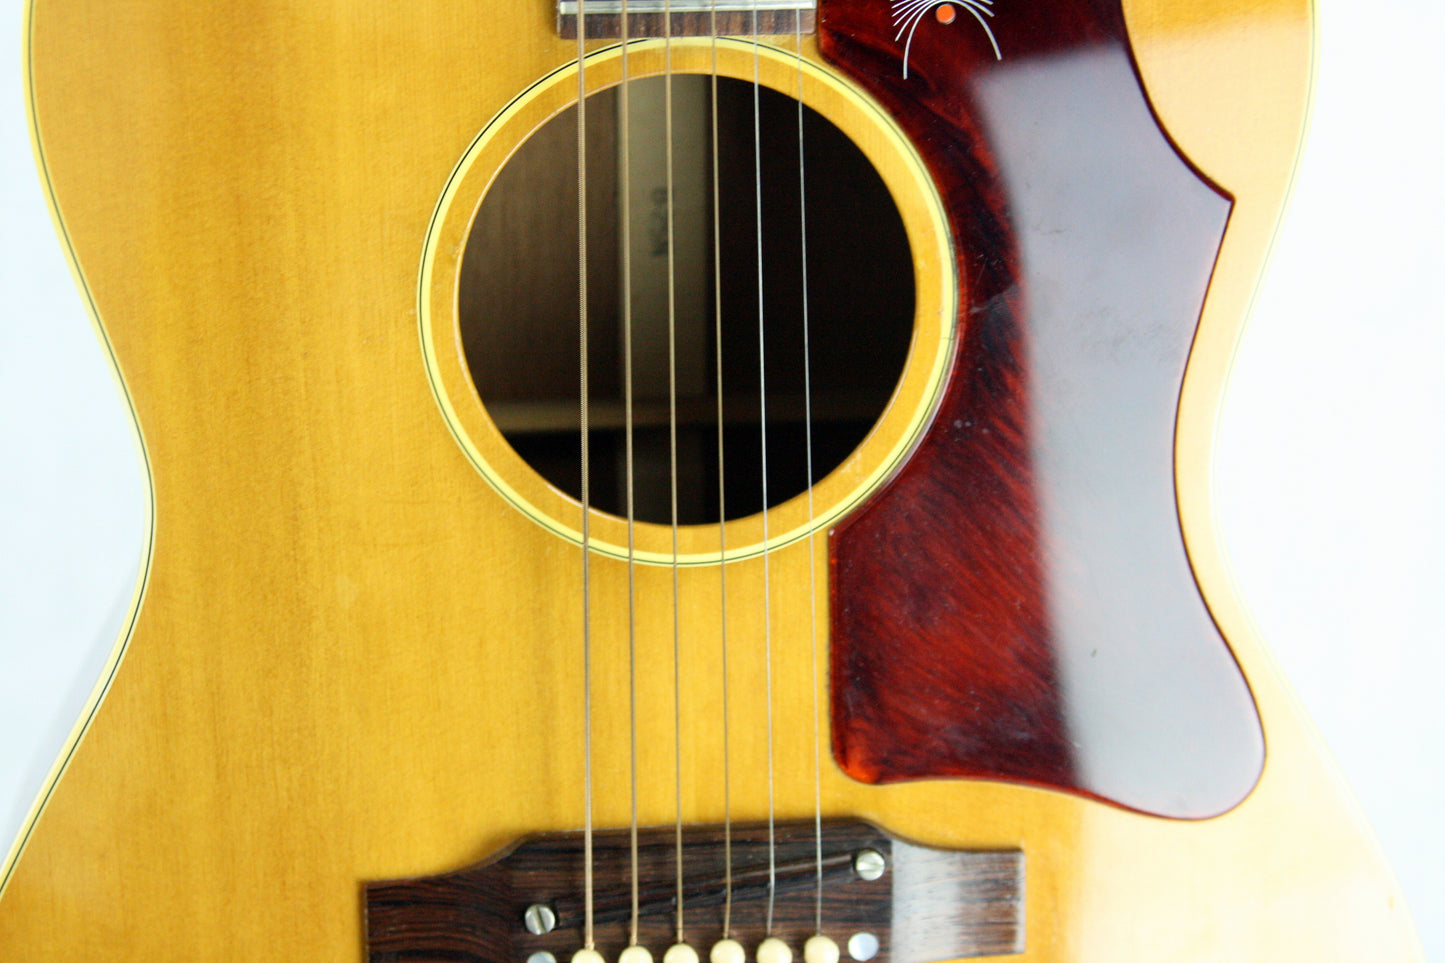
(519, 297)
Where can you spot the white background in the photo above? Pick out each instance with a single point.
(1330, 471)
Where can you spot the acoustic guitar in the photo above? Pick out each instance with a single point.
(683, 479)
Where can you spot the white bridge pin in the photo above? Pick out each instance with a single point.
(587, 955)
(728, 951)
(633, 954)
(680, 953)
(774, 950)
(820, 949)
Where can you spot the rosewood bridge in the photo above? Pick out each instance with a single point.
(883, 900)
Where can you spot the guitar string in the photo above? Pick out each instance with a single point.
(672, 459)
(721, 494)
(625, 241)
(629, 460)
(624, 163)
(763, 444)
(589, 940)
(808, 474)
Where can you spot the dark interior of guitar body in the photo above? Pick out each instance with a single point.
(519, 299)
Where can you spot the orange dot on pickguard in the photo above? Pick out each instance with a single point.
(945, 13)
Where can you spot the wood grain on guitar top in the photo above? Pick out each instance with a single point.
(353, 659)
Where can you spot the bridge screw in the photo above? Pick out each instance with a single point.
(869, 864)
(539, 918)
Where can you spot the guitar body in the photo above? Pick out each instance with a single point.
(354, 658)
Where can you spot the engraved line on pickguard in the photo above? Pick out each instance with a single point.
(907, 14)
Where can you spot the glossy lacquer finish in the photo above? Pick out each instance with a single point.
(1017, 604)
(354, 658)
